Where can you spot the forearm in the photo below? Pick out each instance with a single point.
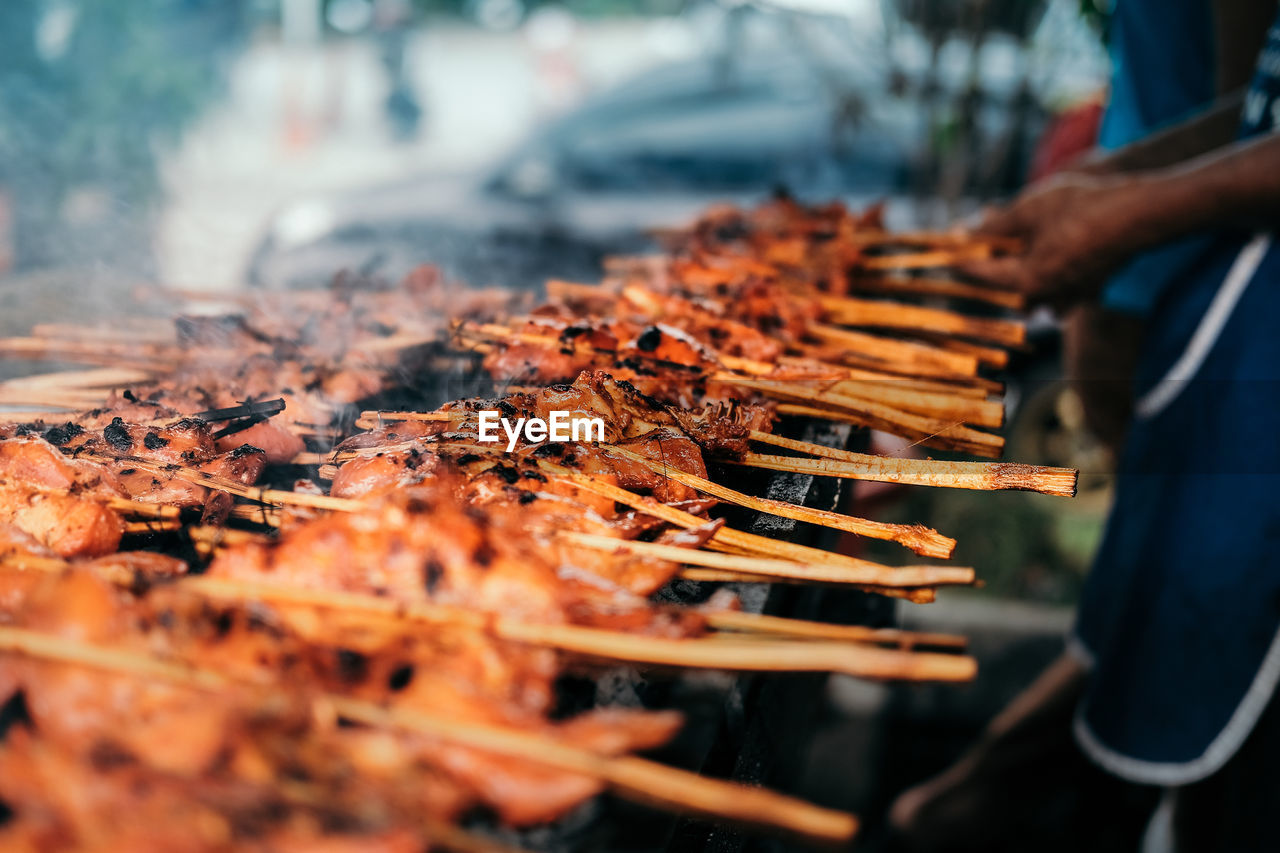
(1202, 132)
(1235, 187)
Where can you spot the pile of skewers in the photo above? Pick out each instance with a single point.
(244, 603)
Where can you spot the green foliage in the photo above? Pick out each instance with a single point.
(131, 76)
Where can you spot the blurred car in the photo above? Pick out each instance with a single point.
(652, 152)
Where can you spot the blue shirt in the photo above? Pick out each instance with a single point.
(1162, 54)
(1181, 613)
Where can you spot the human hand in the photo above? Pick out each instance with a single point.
(1075, 229)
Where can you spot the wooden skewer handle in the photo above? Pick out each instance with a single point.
(920, 539)
(984, 476)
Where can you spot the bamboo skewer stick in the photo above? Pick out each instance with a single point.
(800, 647)
(739, 563)
(920, 539)
(728, 620)
(59, 649)
(211, 538)
(922, 359)
(895, 391)
(928, 286)
(70, 399)
(639, 778)
(884, 347)
(945, 257)
(373, 418)
(904, 356)
(979, 412)
(990, 356)
(982, 476)
(962, 387)
(733, 620)
(857, 410)
(923, 541)
(575, 639)
(781, 655)
(876, 416)
(851, 569)
(560, 289)
(911, 318)
(254, 493)
(153, 526)
(128, 506)
(160, 333)
(98, 377)
(141, 356)
(30, 415)
(937, 401)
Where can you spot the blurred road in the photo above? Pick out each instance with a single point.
(300, 119)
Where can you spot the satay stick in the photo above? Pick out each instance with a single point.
(213, 538)
(639, 296)
(785, 653)
(160, 333)
(938, 402)
(911, 413)
(868, 413)
(915, 357)
(98, 377)
(855, 571)
(234, 487)
(943, 407)
(739, 563)
(260, 513)
(779, 655)
(27, 416)
(988, 355)
(128, 506)
(71, 400)
(983, 476)
(926, 260)
(922, 540)
(931, 286)
(560, 289)
(903, 317)
(638, 778)
(910, 358)
(857, 419)
(44, 646)
(153, 526)
(728, 620)
(373, 418)
(141, 356)
(966, 387)
(762, 623)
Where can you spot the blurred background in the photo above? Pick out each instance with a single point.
(224, 144)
